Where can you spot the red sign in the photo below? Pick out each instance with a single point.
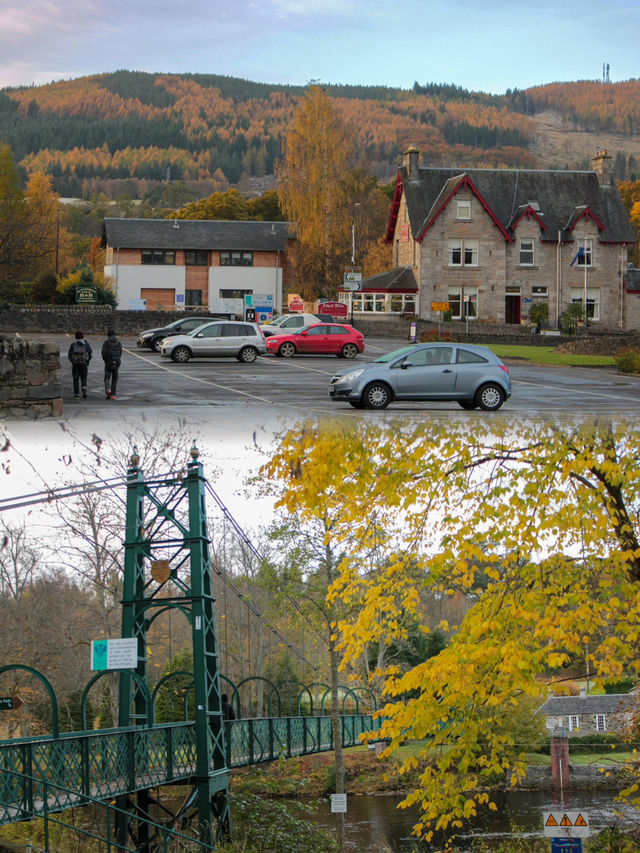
(296, 305)
(338, 309)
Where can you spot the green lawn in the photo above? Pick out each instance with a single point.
(548, 355)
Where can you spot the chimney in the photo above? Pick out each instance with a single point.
(410, 159)
(602, 165)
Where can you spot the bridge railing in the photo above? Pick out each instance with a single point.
(58, 773)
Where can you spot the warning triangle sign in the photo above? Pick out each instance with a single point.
(551, 821)
(565, 821)
(580, 821)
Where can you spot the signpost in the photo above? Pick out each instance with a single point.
(296, 305)
(10, 703)
(352, 280)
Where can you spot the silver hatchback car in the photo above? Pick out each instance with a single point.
(221, 338)
(471, 375)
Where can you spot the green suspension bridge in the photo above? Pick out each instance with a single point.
(120, 771)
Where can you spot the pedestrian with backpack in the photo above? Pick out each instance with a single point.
(111, 355)
(80, 353)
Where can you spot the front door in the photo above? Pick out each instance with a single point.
(512, 309)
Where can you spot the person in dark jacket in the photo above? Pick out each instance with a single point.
(227, 710)
(79, 355)
(112, 356)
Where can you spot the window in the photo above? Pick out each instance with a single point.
(541, 291)
(236, 259)
(593, 300)
(463, 253)
(574, 722)
(158, 256)
(196, 259)
(463, 302)
(466, 357)
(234, 330)
(396, 303)
(526, 252)
(464, 210)
(600, 723)
(193, 297)
(233, 294)
(585, 253)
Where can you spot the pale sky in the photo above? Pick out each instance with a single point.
(489, 46)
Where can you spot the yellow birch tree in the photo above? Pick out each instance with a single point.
(536, 523)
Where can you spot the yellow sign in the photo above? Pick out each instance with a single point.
(439, 306)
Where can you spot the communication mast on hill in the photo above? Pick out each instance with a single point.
(605, 72)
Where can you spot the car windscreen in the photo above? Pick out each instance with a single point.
(391, 356)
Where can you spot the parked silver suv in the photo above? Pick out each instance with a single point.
(229, 338)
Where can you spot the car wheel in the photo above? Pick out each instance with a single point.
(181, 355)
(248, 355)
(377, 396)
(287, 349)
(155, 344)
(349, 351)
(467, 404)
(357, 404)
(489, 397)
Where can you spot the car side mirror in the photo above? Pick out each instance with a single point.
(406, 364)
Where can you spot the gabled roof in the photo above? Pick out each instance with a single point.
(505, 192)
(451, 187)
(194, 234)
(528, 211)
(612, 703)
(582, 212)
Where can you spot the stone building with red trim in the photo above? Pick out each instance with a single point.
(490, 243)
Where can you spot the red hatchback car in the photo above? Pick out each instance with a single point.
(326, 338)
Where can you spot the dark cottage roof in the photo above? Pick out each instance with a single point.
(556, 199)
(194, 234)
(564, 706)
(400, 279)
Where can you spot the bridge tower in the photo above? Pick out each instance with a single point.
(166, 542)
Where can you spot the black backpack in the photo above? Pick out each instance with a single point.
(79, 353)
(113, 353)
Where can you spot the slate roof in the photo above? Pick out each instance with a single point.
(556, 196)
(400, 279)
(194, 234)
(612, 703)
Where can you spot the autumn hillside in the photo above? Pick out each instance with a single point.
(127, 132)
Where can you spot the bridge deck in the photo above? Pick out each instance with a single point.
(104, 764)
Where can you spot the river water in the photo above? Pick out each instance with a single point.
(374, 823)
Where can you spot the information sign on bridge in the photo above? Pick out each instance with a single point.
(10, 703)
(114, 654)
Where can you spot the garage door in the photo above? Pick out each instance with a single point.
(159, 298)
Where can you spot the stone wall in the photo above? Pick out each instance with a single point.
(96, 320)
(30, 376)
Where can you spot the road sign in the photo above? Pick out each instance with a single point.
(566, 824)
(10, 703)
(352, 280)
(439, 306)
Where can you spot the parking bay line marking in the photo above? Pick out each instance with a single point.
(197, 379)
(564, 389)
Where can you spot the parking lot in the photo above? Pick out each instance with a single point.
(298, 386)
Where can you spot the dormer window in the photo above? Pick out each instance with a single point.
(463, 210)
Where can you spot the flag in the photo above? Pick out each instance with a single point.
(579, 254)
